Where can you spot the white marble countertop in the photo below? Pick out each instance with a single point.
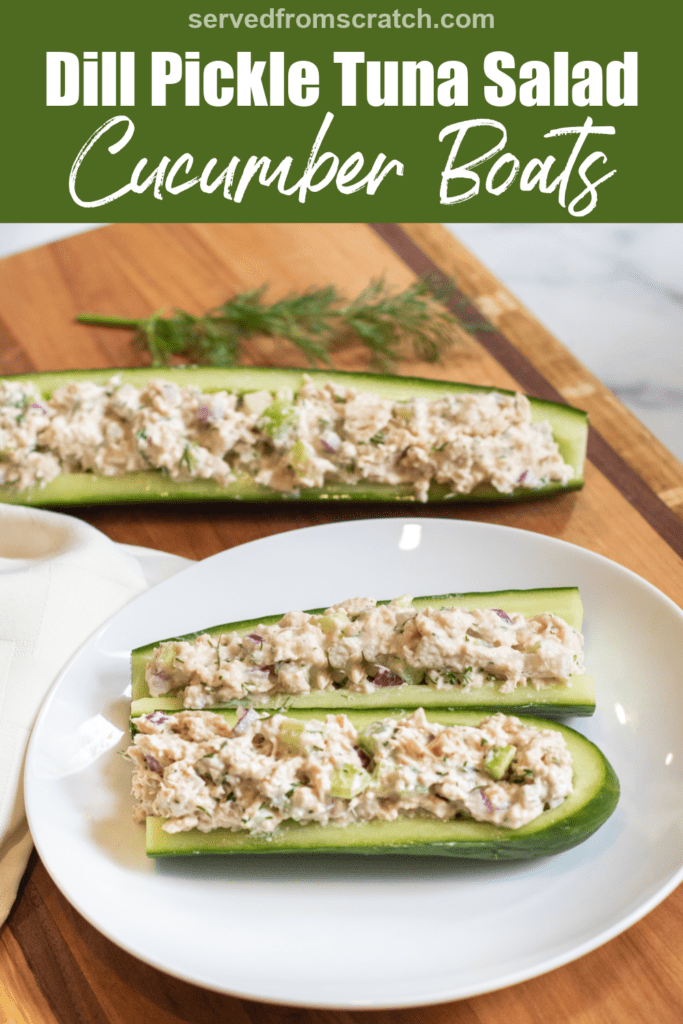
(612, 293)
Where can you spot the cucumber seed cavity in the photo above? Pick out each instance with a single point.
(196, 771)
(359, 646)
(327, 434)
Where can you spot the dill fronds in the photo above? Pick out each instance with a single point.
(317, 322)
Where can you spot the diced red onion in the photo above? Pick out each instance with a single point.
(386, 678)
(331, 442)
(153, 764)
(254, 636)
(364, 758)
(159, 681)
(244, 721)
(486, 802)
(503, 615)
(522, 478)
(203, 415)
(157, 717)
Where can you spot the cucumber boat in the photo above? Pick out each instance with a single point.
(549, 701)
(594, 798)
(569, 428)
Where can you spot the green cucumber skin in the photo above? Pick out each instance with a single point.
(595, 796)
(570, 428)
(579, 699)
(553, 705)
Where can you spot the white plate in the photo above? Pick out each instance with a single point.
(156, 566)
(344, 931)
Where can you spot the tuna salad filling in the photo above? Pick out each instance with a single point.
(322, 434)
(196, 771)
(361, 646)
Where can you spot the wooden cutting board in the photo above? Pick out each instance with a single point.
(53, 965)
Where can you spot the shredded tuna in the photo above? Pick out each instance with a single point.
(280, 769)
(361, 646)
(324, 434)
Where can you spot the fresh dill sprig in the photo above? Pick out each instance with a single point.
(317, 322)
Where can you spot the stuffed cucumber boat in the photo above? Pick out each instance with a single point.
(195, 433)
(435, 783)
(515, 651)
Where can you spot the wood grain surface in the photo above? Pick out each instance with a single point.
(54, 967)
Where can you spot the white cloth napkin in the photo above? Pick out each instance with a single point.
(59, 580)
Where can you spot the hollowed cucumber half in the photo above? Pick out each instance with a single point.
(595, 795)
(550, 701)
(569, 425)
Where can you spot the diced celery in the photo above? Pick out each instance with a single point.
(498, 760)
(299, 454)
(367, 740)
(348, 781)
(290, 734)
(166, 654)
(278, 417)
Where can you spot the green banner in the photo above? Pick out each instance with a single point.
(342, 111)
